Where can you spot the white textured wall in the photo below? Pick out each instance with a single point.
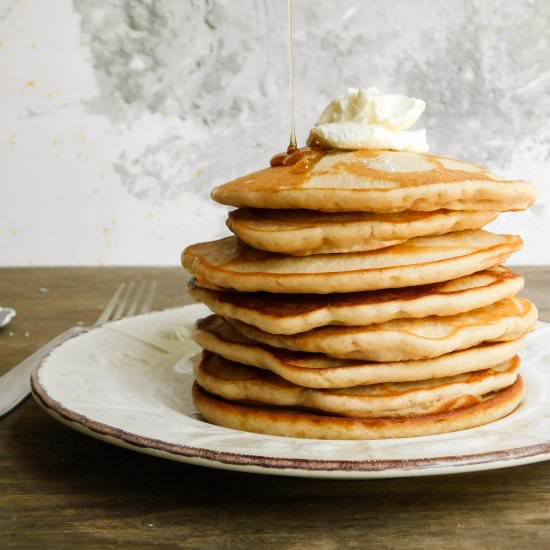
(117, 117)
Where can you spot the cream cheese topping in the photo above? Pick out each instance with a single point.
(371, 119)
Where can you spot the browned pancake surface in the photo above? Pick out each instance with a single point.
(281, 305)
(376, 181)
(406, 339)
(296, 423)
(240, 383)
(229, 263)
(307, 232)
(321, 371)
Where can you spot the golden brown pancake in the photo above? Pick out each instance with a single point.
(306, 232)
(293, 313)
(320, 371)
(236, 382)
(376, 181)
(229, 263)
(297, 423)
(362, 300)
(406, 339)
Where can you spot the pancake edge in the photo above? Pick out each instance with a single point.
(501, 195)
(396, 344)
(357, 280)
(298, 424)
(266, 389)
(356, 373)
(442, 304)
(334, 237)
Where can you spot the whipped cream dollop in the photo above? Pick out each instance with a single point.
(371, 119)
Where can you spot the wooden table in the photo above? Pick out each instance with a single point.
(60, 489)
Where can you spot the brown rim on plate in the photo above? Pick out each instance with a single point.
(70, 417)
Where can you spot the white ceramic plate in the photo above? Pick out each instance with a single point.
(129, 383)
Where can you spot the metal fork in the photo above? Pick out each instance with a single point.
(128, 299)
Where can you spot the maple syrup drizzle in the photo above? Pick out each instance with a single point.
(293, 145)
(304, 158)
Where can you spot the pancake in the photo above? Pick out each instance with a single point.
(290, 314)
(296, 423)
(229, 263)
(376, 181)
(306, 232)
(236, 382)
(406, 339)
(320, 371)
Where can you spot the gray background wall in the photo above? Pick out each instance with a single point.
(118, 117)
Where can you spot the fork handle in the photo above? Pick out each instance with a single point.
(15, 385)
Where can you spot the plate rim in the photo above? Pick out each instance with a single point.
(268, 464)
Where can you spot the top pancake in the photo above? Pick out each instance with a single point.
(376, 181)
(228, 263)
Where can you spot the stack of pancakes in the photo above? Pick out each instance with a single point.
(360, 299)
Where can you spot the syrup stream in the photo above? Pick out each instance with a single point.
(293, 144)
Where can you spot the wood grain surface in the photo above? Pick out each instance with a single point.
(60, 489)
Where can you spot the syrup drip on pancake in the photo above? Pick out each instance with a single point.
(303, 158)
